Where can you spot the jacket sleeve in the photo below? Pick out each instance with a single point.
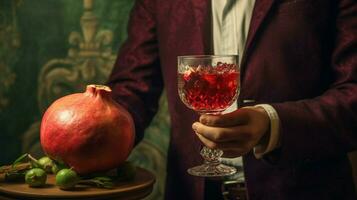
(136, 79)
(325, 126)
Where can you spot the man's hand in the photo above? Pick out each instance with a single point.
(235, 133)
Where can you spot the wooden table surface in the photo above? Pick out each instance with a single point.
(138, 188)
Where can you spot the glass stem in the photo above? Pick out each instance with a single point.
(211, 156)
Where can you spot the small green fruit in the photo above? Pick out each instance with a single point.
(36, 177)
(66, 179)
(46, 164)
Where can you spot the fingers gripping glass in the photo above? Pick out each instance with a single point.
(209, 84)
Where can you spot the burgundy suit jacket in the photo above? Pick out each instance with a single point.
(300, 57)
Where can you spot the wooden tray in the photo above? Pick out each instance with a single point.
(140, 187)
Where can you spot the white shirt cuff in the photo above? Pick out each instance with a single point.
(272, 141)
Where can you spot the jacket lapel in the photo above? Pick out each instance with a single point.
(261, 9)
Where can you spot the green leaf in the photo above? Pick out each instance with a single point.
(105, 184)
(19, 160)
(101, 182)
(108, 185)
(103, 179)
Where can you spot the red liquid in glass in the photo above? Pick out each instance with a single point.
(208, 90)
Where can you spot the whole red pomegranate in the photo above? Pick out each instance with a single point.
(88, 131)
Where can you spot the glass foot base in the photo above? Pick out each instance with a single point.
(209, 170)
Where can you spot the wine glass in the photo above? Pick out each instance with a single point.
(209, 84)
